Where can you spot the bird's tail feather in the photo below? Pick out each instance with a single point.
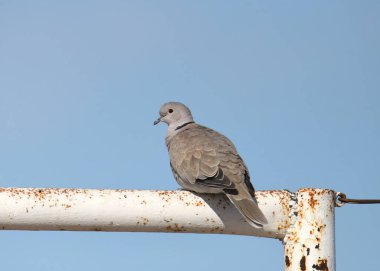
(250, 210)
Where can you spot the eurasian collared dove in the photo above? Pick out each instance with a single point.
(205, 161)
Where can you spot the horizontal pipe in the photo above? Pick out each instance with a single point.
(138, 211)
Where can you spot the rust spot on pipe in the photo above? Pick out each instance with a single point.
(199, 203)
(176, 228)
(287, 261)
(143, 220)
(322, 265)
(321, 227)
(167, 195)
(303, 263)
(216, 229)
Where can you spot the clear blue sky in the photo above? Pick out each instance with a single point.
(296, 86)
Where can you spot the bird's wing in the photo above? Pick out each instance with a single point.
(199, 156)
(203, 157)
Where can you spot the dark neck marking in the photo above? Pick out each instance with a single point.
(183, 125)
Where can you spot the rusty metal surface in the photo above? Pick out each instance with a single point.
(136, 210)
(304, 221)
(310, 241)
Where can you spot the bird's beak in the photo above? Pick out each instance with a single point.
(157, 121)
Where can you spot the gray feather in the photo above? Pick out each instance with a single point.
(250, 210)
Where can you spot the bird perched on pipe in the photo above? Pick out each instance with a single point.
(205, 161)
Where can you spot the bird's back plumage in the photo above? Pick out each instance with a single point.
(205, 161)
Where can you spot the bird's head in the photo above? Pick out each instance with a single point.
(174, 114)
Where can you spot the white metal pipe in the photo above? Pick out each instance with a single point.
(304, 221)
(138, 211)
(310, 241)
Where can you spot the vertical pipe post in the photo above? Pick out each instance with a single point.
(310, 241)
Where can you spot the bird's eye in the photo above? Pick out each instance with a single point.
(170, 110)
